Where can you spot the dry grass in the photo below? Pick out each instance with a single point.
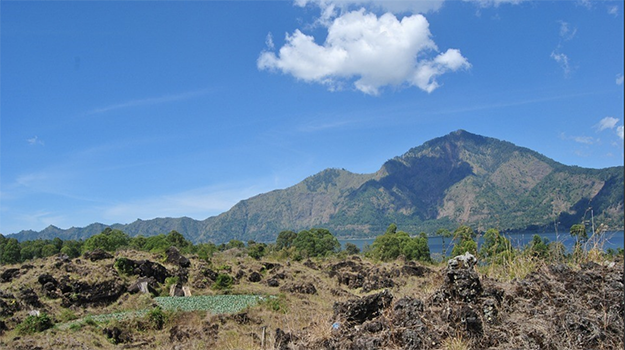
(310, 317)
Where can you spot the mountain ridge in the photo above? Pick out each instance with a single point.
(459, 178)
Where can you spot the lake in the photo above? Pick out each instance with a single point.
(612, 240)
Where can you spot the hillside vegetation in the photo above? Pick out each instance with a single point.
(460, 178)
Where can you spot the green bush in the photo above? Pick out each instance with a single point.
(223, 281)
(33, 324)
(156, 318)
(124, 266)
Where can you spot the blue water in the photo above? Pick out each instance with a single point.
(612, 240)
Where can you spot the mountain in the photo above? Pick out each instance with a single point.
(460, 178)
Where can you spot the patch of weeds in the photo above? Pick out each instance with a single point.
(75, 326)
(67, 315)
(33, 324)
(90, 321)
(170, 281)
(275, 303)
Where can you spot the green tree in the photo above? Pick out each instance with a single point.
(11, 252)
(417, 248)
(49, 250)
(316, 242)
(177, 239)
(234, 243)
(393, 243)
(72, 248)
(351, 249)
(444, 233)
(494, 244)
(285, 239)
(579, 232)
(463, 236)
(256, 250)
(538, 247)
(109, 240)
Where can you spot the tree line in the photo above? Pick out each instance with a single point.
(314, 242)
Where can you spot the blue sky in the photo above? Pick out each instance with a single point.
(113, 111)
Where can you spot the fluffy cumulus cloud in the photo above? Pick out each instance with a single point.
(369, 51)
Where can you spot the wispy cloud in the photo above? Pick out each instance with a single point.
(150, 101)
(563, 61)
(619, 79)
(613, 10)
(588, 140)
(34, 141)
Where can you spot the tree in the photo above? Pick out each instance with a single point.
(256, 250)
(443, 233)
(316, 242)
(109, 240)
(11, 252)
(393, 243)
(417, 248)
(285, 239)
(351, 249)
(464, 235)
(49, 250)
(538, 247)
(579, 232)
(177, 239)
(494, 244)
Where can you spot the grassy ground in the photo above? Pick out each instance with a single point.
(308, 316)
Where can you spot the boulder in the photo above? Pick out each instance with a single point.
(175, 257)
(362, 309)
(9, 274)
(144, 285)
(302, 288)
(255, 277)
(461, 280)
(97, 254)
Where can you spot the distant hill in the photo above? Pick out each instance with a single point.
(460, 178)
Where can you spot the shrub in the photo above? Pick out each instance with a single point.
(124, 266)
(223, 281)
(156, 318)
(35, 323)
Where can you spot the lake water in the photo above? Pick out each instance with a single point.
(612, 240)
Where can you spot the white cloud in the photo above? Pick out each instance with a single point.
(150, 101)
(613, 10)
(563, 60)
(370, 51)
(35, 141)
(396, 6)
(584, 139)
(585, 3)
(495, 3)
(607, 123)
(619, 79)
(566, 33)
